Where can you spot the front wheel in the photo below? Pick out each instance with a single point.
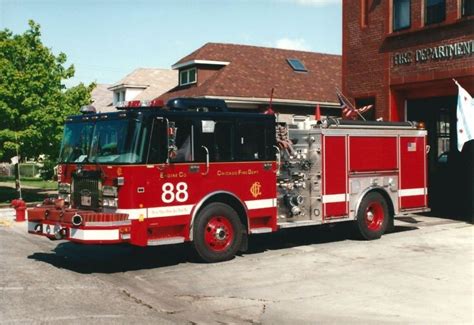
(217, 233)
(372, 216)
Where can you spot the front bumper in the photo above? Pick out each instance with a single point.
(95, 228)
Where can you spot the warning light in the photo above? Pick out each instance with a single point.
(157, 103)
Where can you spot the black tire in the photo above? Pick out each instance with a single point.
(372, 216)
(217, 233)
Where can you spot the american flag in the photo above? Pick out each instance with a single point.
(348, 110)
(412, 146)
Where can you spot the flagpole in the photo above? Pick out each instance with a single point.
(18, 165)
(349, 102)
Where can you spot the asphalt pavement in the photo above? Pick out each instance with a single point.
(422, 272)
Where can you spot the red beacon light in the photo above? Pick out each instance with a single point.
(158, 103)
(134, 104)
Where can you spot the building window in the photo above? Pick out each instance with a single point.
(187, 77)
(297, 65)
(119, 96)
(435, 11)
(364, 13)
(401, 14)
(467, 8)
(443, 130)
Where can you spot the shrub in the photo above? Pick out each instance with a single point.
(47, 172)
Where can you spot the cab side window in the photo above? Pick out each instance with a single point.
(251, 140)
(218, 136)
(157, 148)
(184, 141)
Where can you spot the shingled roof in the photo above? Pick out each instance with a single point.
(102, 98)
(251, 72)
(153, 81)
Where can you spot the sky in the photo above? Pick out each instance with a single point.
(107, 39)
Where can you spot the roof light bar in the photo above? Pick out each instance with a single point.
(140, 103)
(134, 103)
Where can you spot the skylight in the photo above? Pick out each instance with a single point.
(297, 65)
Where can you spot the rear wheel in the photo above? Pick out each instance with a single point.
(217, 233)
(372, 216)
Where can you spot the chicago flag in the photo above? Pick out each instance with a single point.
(465, 117)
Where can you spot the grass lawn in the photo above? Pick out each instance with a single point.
(30, 182)
(33, 189)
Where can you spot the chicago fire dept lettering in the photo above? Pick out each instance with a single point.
(240, 172)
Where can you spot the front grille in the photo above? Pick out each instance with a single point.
(85, 191)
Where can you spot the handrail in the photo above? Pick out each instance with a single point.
(207, 160)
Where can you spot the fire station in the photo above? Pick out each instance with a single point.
(402, 56)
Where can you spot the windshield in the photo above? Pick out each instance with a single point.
(76, 143)
(123, 141)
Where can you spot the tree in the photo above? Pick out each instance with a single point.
(33, 99)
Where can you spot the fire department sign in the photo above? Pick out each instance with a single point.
(435, 53)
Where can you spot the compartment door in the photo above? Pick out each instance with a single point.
(335, 192)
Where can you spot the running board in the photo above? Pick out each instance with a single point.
(165, 241)
(404, 212)
(261, 230)
(302, 223)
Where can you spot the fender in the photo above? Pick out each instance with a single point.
(365, 192)
(207, 197)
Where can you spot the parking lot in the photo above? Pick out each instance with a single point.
(420, 273)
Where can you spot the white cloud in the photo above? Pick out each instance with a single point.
(316, 3)
(298, 44)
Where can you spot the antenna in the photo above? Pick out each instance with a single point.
(271, 99)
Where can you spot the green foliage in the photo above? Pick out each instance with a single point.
(47, 171)
(33, 100)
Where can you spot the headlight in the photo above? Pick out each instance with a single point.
(64, 188)
(109, 191)
(66, 197)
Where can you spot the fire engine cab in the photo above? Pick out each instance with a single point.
(191, 170)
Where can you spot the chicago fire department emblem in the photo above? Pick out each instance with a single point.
(255, 189)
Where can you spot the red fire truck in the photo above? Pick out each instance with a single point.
(191, 170)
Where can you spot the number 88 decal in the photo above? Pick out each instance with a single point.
(169, 194)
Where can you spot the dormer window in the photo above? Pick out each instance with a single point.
(119, 96)
(187, 77)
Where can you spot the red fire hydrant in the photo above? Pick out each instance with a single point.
(20, 208)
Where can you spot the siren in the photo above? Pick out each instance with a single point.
(88, 109)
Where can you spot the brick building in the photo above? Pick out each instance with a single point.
(401, 56)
